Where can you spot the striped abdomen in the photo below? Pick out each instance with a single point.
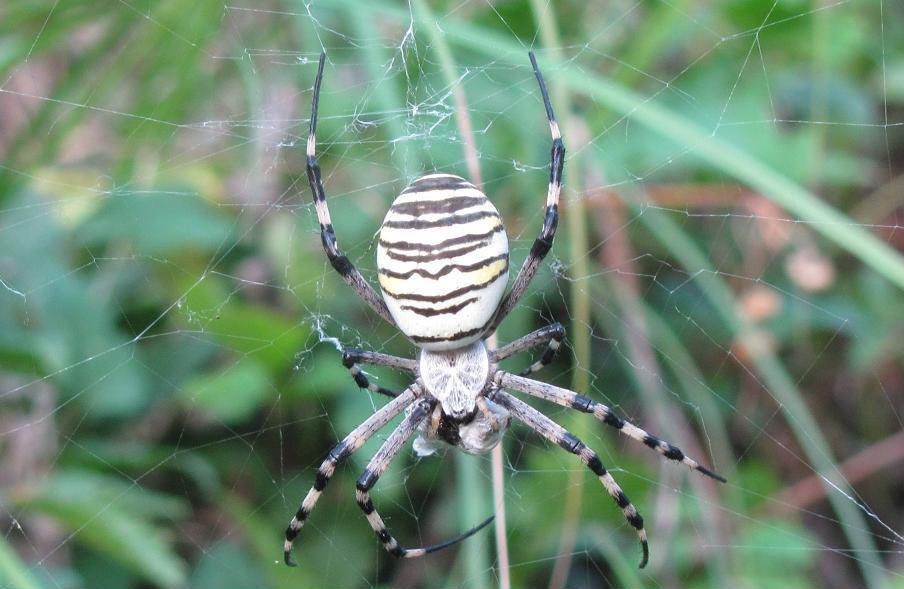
(443, 261)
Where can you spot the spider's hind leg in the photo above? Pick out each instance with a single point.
(334, 253)
(349, 444)
(568, 441)
(377, 467)
(573, 400)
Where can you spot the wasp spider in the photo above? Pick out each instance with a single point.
(443, 262)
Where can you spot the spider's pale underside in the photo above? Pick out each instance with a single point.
(443, 268)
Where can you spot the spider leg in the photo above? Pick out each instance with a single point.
(551, 335)
(574, 400)
(340, 452)
(377, 467)
(488, 414)
(350, 359)
(337, 257)
(543, 243)
(553, 432)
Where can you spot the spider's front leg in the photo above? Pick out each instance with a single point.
(336, 256)
(543, 242)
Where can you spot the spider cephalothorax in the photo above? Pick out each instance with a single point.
(443, 265)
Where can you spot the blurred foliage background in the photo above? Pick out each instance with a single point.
(728, 265)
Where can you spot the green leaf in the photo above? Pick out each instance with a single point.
(270, 338)
(230, 395)
(141, 456)
(61, 322)
(83, 485)
(14, 573)
(157, 223)
(113, 518)
(788, 549)
(227, 566)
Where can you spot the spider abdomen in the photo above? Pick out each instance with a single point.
(443, 261)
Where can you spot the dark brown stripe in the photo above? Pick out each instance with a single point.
(569, 442)
(441, 183)
(636, 521)
(424, 247)
(440, 255)
(291, 534)
(651, 441)
(596, 466)
(710, 473)
(445, 269)
(543, 243)
(367, 480)
(446, 205)
(614, 420)
(321, 481)
(455, 336)
(579, 402)
(433, 311)
(339, 452)
(449, 295)
(673, 452)
(448, 221)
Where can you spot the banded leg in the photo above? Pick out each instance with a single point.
(543, 243)
(554, 432)
(484, 407)
(551, 335)
(573, 400)
(350, 359)
(377, 467)
(337, 258)
(340, 452)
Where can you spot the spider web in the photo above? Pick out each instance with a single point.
(170, 331)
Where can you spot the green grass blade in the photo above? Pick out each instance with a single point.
(731, 160)
(779, 384)
(13, 572)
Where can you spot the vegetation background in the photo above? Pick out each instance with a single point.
(729, 266)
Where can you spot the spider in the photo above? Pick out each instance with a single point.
(443, 268)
